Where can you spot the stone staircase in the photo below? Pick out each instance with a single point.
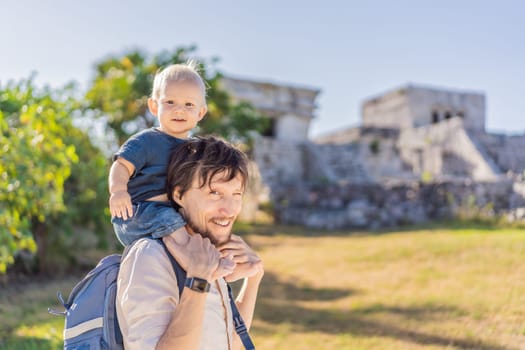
(343, 162)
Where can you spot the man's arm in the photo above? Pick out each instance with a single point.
(147, 295)
(202, 259)
(120, 200)
(185, 329)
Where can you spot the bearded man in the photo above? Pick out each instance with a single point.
(205, 183)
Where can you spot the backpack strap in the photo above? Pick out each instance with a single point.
(179, 271)
(240, 326)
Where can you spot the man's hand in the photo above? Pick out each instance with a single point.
(198, 256)
(248, 263)
(120, 205)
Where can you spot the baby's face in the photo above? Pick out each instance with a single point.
(180, 106)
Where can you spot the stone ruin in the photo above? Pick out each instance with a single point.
(421, 153)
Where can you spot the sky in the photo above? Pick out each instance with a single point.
(350, 50)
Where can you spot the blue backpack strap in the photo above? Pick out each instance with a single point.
(179, 271)
(240, 326)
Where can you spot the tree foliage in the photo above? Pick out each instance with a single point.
(45, 186)
(123, 83)
(35, 164)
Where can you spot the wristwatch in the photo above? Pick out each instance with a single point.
(197, 284)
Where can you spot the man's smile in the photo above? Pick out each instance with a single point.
(224, 222)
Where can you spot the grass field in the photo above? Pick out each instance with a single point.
(451, 286)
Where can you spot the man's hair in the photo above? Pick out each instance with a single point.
(204, 157)
(187, 72)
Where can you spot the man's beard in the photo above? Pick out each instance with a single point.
(205, 233)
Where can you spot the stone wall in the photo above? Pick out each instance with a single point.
(292, 128)
(255, 193)
(442, 104)
(508, 151)
(280, 162)
(372, 206)
(372, 182)
(390, 110)
(447, 150)
(343, 160)
(347, 135)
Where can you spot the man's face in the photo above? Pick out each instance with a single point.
(211, 210)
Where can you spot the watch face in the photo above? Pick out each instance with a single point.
(200, 285)
(197, 284)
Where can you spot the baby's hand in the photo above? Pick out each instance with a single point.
(120, 205)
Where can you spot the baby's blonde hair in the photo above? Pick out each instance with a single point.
(178, 72)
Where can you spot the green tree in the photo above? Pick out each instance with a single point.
(85, 224)
(50, 174)
(123, 83)
(35, 164)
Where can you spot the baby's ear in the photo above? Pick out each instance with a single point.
(202, 112)
(153, 106)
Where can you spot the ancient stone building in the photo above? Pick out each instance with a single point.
(413, 106)
(420, 153)
(291, 108)
(416, 132)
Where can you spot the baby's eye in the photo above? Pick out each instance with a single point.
(238, 194)
(215, 193)
(189, 104)
(169, 102)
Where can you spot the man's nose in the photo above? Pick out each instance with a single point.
(229, 206)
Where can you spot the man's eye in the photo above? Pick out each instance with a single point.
(238, 194)
(215, 193)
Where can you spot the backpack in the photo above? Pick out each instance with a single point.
(91, 315)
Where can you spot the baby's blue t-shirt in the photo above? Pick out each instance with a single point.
(149, 151)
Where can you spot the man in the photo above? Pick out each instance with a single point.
(206, 179)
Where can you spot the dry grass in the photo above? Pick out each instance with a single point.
(433, 288)
(423, 289)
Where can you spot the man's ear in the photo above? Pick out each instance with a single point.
(153, 106)
(202, 112)
(177, 196)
